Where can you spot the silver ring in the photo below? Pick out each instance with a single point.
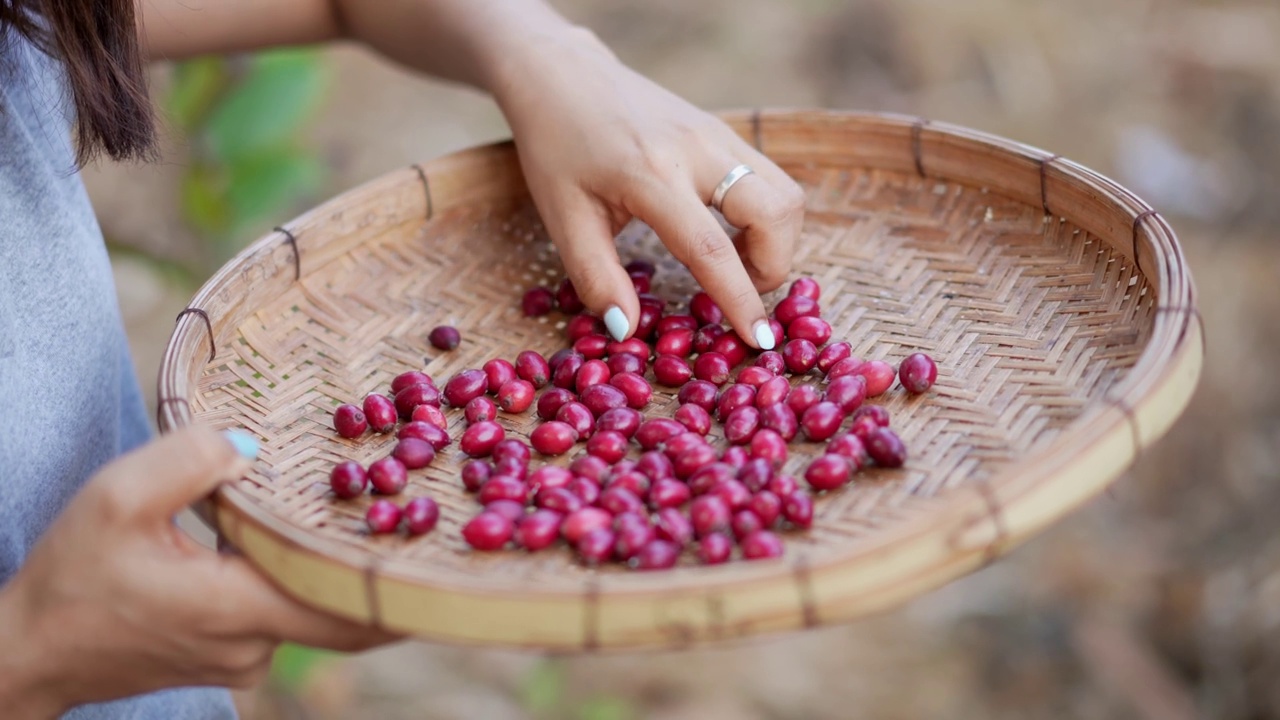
(732, 177)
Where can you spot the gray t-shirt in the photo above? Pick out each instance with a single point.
(70, 398)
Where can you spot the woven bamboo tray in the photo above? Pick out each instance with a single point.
(1058, 305)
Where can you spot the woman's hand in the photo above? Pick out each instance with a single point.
(600, 144)
(115, 600)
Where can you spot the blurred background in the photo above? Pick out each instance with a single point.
(1160, 600)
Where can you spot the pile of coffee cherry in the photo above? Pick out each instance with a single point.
(647, 488)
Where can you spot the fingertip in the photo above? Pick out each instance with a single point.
(746, 314)
(246, 446)
(591, 260)
(606, 290)
(763, 335)
(616, 322)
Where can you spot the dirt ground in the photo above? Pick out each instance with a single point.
(1159, 601)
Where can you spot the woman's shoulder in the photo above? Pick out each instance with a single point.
(35, 110)
(33, 83)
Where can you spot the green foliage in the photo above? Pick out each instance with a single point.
(292, 665)
(264, 111)
(605, 708)
(196, 85)
(543, 696)
(204, 204)
(245, 119)
(260, 184)
(544, 688)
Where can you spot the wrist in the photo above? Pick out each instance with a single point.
(510, 67)
(26, 676)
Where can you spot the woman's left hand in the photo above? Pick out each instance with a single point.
(601, 144)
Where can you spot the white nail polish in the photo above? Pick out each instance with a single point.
(764, 336)
(616, 322)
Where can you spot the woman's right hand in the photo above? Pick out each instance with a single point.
(115, 600)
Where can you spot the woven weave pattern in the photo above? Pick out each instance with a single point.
(1029, 318)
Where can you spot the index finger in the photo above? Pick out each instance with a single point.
(695, 238)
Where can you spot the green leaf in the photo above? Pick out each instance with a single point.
(266, 184)
(543, 687)
(292, 665)
(605, 708)
(195, 88)
(204, 201)
(279, 92)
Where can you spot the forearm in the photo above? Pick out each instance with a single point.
(26, 690)
(477, 42)
(182, 29)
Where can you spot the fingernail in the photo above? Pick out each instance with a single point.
(764, 335)
(616, 322)
(243, 443)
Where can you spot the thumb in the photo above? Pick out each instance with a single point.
(585, 240)
(168, 474)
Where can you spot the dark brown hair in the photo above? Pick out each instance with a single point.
(97, 42)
